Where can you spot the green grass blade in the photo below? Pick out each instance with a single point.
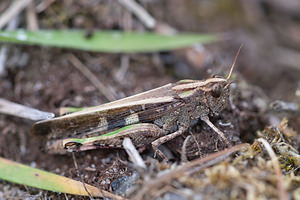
(95, 138)
(105, 41)
(22, 174)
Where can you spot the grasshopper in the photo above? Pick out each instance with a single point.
(155, 117)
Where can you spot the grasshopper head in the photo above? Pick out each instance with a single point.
(217, 90)
(217, 95)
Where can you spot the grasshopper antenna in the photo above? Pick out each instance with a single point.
(232, 66)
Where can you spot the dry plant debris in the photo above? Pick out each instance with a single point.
(249, 174)
(270, 62)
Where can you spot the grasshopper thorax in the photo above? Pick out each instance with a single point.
(213, 92)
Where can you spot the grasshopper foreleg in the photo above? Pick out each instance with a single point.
(211, 125)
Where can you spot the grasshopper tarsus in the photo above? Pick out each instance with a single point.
(160, 154)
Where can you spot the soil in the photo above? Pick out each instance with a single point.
(44, 78)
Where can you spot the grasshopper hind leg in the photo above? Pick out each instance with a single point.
(164, 139)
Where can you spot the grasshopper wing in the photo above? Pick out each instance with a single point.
(143, 107)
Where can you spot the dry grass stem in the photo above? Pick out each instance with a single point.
(15, 8)
(140, 12)
(133, 153)
(282, 191)
(91, 77)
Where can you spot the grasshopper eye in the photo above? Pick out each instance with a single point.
(216, 91)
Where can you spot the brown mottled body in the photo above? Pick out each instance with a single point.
(169, 110)
(155, 117)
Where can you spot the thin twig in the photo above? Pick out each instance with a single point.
(66, 197)
(14, 9)
(31, 18)
(140, 12)
(10, 108)
(44, 5)
(133, 153)
(80, 175)
(207, 164)
(120, 75)
(282, 191)
(180, 170)
(3, 56)
(91, 77)
(12, 25)
(125, 58)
